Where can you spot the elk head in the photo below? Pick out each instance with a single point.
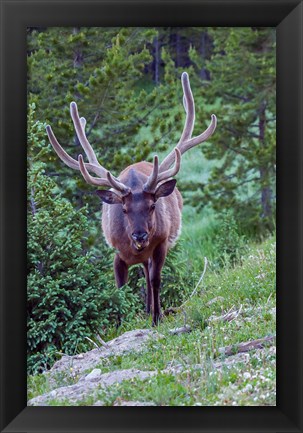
(139, 201)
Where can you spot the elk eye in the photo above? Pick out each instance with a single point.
(124, 210)
(152, 207)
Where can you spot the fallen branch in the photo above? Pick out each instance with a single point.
(182, 330)
(101, 341)
(227, 317)
(247, 346)
(95, 344)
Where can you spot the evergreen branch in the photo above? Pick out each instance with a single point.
(136, 121)
(235, 150)
(241, 98)
(223, 191)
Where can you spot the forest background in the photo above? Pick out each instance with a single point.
(126, 82)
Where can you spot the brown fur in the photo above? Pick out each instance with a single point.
(164, 230)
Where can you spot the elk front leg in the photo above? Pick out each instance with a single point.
(147, 266)
(121, 276)
(121, 271)
(158, 259)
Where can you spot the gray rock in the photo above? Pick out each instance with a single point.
(92, 376)
(131, 341)
(89, 386)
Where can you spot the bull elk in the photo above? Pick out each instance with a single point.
(141, 215)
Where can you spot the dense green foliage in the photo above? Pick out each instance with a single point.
(71, 294)
(126, 82)
(243, 94)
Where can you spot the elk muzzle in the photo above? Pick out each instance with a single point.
(140, 240)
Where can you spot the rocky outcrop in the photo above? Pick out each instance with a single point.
(131, 341)
(84, 378)
(88, 383)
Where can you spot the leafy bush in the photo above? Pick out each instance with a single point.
(70, 293)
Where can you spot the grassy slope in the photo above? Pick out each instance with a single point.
(250, 285)
(249, 382)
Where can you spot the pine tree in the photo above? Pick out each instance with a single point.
(101, 70)
(242, 94)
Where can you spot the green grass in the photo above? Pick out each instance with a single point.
(197, 236)
(250, 285)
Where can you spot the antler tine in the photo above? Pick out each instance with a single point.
(155, 177)
(152, 181)
(186, 141)
(98, 181)
(83, 122)
(189, 107)
(116, 184)
(105, 179)
(202, 137)
(79, 127)
(173, 171)
(68, 160)
(109, 181)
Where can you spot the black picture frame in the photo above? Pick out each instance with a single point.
(287, 17)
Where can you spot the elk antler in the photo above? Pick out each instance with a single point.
(105, 177)
(155, 178)
(186, 141)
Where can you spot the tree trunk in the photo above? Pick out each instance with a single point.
(156, 60)
(78, 55)
(203, 51)
(178, 49)
(266, 193)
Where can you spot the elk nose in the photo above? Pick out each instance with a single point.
(139, 236)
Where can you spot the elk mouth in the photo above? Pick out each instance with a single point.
(139, 246)
(140, 240)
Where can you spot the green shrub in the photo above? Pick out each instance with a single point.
(228, 243)
(71, 294)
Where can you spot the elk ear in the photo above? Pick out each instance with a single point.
(165, 188)
(109, 197)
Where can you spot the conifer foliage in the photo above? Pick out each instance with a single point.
(242, 92)
(71, 294)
